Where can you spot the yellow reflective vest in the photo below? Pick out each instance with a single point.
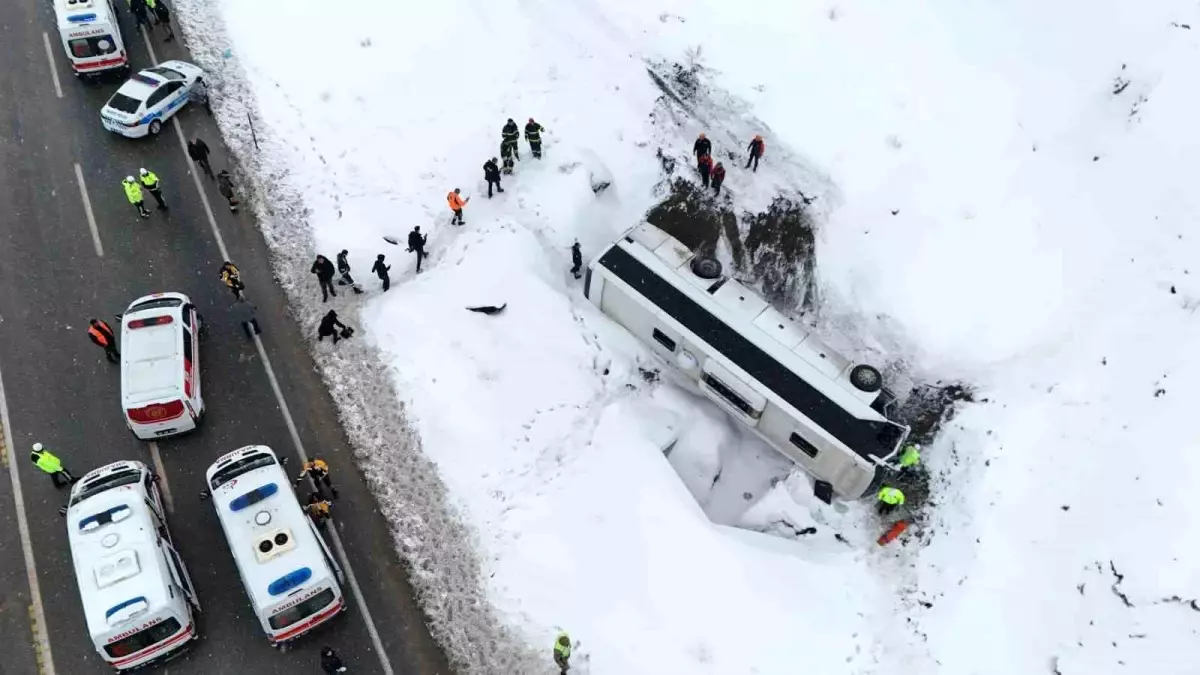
(891, 495)
(150, 180)
(133, 192)
(47, 462)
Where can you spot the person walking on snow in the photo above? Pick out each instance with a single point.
(718, 177)
(562, 652)
(48, 463)
(318, 471)
(327, 327)
(456, 202)
(416, 244)
(330, 663)
(102, 335)
(154, 186)
(757, 147)
(133, 192)
(491, 173)
(506, 153)
(701, 147)
(231, 276)
(576, 259)
(324, 271)
(198, 151)
(343, 266)
(225, 187)
(704, 166)
(890, 499)
(533, 134)
(511, 135)
(381, 271)
(163, 14)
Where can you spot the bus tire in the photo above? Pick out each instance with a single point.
(866, 378)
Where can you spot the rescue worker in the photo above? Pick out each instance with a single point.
(163, 14)
(757, 147)
(225, 187)
(704, 166)
(416, 244)
(910, 457)
(327, 327)
(141, 14)
(324, 271)
(48, 463)
(151, 5)
(491, 173)
(456, 202)
(381, 271)
(562, 652)
(198, 151)
(890, 499)
(133, 192)
(511, 135)
(101, 334)
(343, 266)
(330, 663)
(718, 177)
(701, 147)
(533, 134)
(318, 508)
(232, 278)
(245, 313)
(154, 186)
(318, 471)
(576, 259)
(506, 153)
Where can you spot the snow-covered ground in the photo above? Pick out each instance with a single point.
(1006, 196)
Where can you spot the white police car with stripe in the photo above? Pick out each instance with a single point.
(149, 98)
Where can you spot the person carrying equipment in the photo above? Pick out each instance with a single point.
(318, 508)
(890, 499)
(133, 192)
(329, 324)
(343, 266)
(318, 471)
(562, 652)
(506, 153)
(533, 134)
(48, 463)
(232, 278)
(511, 135)
(456, 202)
(101, 334)
(150, 180)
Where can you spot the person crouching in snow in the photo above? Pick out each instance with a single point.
(329, 325)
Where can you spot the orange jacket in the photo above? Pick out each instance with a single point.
(456, 202)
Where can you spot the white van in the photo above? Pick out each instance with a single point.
(160, 366)
(137, 596)
(90, 34)
(813, 405)
(293, 581)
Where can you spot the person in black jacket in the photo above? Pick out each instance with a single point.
(330, 663)
(416, 244)
(576, 259)
(491, 173)
(701, 147)
(163, 14)
(511, 135)
(198, 151)
(381, 271)
(343, 266)
(324, 271)
(533, 134)
(141, 14)
(506, 152)
(328, 326)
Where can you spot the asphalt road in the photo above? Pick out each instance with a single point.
(61, 391)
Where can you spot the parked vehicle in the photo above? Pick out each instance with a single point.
(151, 97)
(91, 36)
(160, 366)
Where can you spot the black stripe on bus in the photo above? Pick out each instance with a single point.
(864, 437)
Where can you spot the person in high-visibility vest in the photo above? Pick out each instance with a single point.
(102, 334)
(910, 457)
(133, 192)
(318, 471)
(318, 508)
(562, 652)
(154, 185)
(456, 202)
(890, 499)
(48, 463)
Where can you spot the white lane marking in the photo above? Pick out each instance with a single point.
(163, 486)
(53, 68)
(87, 210)
(337, 541)
(40, 636)
(363, 611)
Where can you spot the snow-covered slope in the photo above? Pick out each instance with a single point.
(1007, 198)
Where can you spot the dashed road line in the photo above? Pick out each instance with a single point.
(53, 68)
(87, 210)
(163, 485)
(41, 639)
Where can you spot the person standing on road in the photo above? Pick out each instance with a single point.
(330, 663)
(318, 508)
(757, 147)
(324, 271)
(133, 192)
(456, 202)
(163, 14)
(246, 314)
(152, 6)
(718, 177)
(562, 652)
(329, 324)
(225, 187)
(511, 135)
(48, 463)
(381, 271)
(576, 259)
(141, 14)
(491, 173)
(198, 151)
(150, 180)
(343, 266)
(416, 244)
(318, 471)
(101, 334)
(533, 134)
(231, 276)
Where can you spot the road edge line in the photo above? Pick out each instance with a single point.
(87, 210)
(53, 65)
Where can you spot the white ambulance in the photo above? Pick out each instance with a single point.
(137, 596)
(290, 576)
(160, 366)
(89, 32)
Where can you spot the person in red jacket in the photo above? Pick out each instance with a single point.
(757, 148)
(704, 165)
(718, 177)
(456, 202)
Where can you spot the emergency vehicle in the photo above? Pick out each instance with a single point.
(160, 366)
(91, 36)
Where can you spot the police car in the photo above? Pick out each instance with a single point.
(150, 98)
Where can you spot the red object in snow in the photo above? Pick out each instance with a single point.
(893, 532)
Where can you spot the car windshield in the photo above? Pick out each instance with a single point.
(168, 73)
(125, 104)
(112, 480)
(240, 467)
